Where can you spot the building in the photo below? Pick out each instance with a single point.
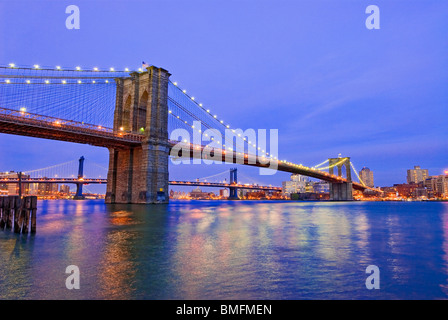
(178, 195)
(13, 188)
(198, 194)
(442, 186)
(407, 190)
(224, 193)
(417, 175)
(321, 187)
(366, 176)
(48, 189)
(65, 189)
(297, 184)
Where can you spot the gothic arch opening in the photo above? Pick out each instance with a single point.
(141, 112)
(126, 120)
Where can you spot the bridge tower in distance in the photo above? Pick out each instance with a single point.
(341, 191)
(140, 174)
(233, 192)
(78, 195)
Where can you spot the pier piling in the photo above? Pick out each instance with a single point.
(20, 212)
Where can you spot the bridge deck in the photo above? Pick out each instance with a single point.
(33, 125)
(174, 183)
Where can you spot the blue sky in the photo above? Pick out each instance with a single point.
(308, 68)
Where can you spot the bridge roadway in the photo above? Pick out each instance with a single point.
(173, 183)
(38, 126)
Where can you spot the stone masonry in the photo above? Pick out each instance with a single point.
(140, 174)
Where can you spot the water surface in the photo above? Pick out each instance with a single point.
(230, 250)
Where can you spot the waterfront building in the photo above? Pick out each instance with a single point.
(47, 189)
(224, 193)
(13, 188)
(321, 187)
(65, 189)
(442, 186)
(417, 175)
(366, 176)
(296, 184)
(197, 193)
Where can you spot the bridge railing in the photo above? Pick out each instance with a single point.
(23, 117)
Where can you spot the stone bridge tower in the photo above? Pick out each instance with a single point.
(140, 174)
(341, 191)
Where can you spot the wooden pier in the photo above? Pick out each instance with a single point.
(18, 213)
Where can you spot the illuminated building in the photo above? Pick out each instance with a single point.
(442, 186)
(198, 194)
(366, 176)
(13, 188)
(297, 184)
(224, 193)
(64, 189)
(47, 189)
(321, 187)
(417, 175)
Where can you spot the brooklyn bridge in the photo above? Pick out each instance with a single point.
(132, 113)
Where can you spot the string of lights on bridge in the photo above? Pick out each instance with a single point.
(36, 67)
(315, 168)
(107, 75)
(220, 121)
(77, 68)
(227, 126)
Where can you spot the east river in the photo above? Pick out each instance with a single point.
(229, 250)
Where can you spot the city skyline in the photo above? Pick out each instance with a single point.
(311, 111)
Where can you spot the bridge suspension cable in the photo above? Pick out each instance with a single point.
(85, 96)
(356, 173)
(212, 121)
(68, 169)
(334, 164)
(214, 175)
(320, 164)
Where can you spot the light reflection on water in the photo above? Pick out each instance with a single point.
(229, 250)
